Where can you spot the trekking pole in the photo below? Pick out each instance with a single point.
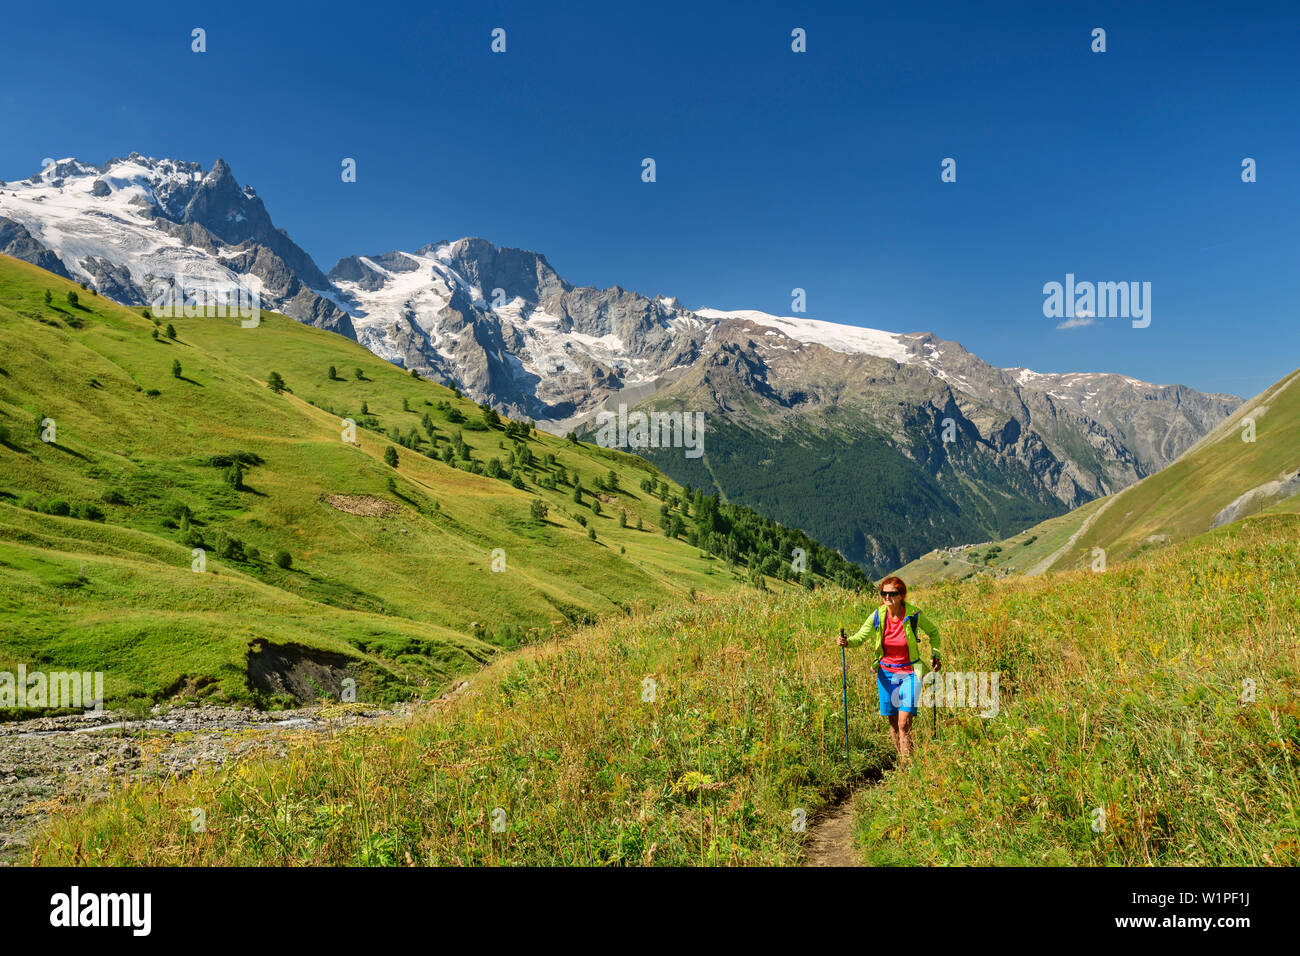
(844, 675)
(934, 705)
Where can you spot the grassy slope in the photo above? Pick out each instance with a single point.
(400, 594)
(1181, 500)
(1124, 696)
(1174, 504)
(743, 731)
(1019, 552)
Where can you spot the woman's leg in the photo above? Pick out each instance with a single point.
(903, 733)
(893, 729)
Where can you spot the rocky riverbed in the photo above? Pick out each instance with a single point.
(48, 762)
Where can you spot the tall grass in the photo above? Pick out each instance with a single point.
(691, 735)
(1126, 734)
(1120, 690)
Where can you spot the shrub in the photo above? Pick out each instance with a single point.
(333, 376)
(390, 456)
(72, 299)
(246, 458)
(283, 560)
(359, 374)
(275, 383)
(171, 331)
(57, 506)
(591, 533)
(190, 536)
(517, 480)
(176, 368)
(48, 298)
(537, 510)
(232, 549)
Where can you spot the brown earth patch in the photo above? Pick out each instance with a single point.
(305, 674)
(365, 505)
(831, 841)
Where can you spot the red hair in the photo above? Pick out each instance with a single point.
(897, 584)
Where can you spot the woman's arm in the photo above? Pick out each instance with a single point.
(928, 626)
(861, 634)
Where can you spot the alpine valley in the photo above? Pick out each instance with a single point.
(837, 430)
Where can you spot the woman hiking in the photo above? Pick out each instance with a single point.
(897, 658)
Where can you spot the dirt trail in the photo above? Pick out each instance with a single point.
(830, 839)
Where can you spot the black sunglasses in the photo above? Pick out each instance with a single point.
(890, 593)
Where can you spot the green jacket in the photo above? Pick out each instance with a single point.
(874, 625)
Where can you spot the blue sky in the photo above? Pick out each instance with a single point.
(775, 170)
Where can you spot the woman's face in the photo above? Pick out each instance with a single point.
(893, 597)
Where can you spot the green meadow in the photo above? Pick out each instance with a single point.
(167, 437)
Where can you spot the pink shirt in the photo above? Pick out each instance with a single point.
(896, 659)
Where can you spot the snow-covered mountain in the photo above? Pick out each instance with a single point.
(505, 328)
(134, 222)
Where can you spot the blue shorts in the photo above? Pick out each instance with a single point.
(897, 692)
